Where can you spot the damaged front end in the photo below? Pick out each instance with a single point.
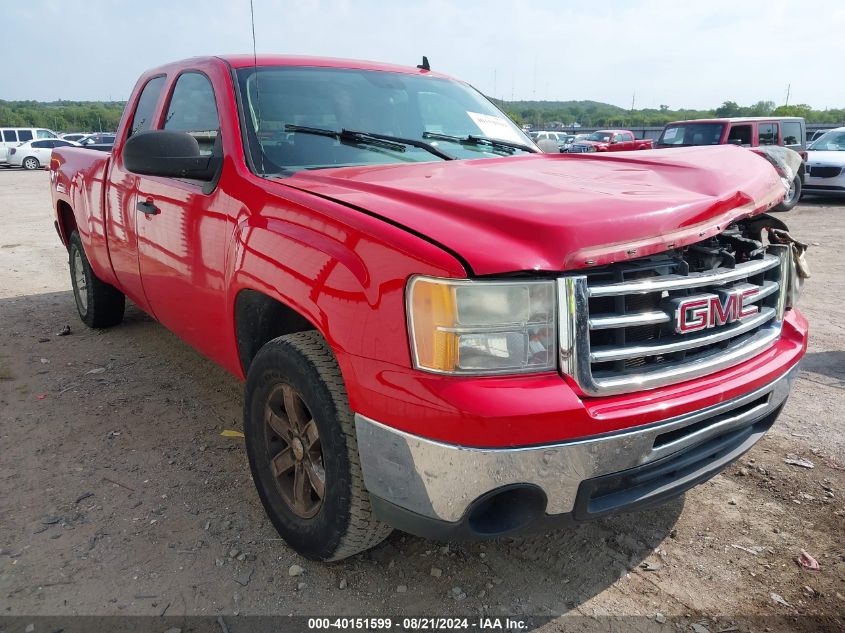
(684, 313)
(790, 167)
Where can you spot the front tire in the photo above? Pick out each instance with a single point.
(31, 163)
(302, 450)
(792, 196)
(99, 304)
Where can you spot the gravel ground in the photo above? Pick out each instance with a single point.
(118, 494)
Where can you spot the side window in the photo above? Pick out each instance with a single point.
(792, 133)
(10, 136)
(627, 136)
(192, 109)
(740, 134)
(24, 135)
(142, 120)
(44, 134)
(768, 133)
(42, 144)
(61, 144)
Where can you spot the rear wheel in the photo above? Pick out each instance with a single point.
(30, 162)
(302, 449)
(98, 303)
(792, 196)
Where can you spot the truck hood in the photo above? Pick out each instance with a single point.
(553, 212)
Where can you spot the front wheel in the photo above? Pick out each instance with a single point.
(792, 196)
(30, 162)
(302, 450)
(98, 303)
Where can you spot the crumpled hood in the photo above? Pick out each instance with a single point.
(559, 211)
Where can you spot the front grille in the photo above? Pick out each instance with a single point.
(823, 171)
(619, 324)
(579, 149)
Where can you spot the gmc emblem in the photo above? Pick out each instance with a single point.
(699, 312)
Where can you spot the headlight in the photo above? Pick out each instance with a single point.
(482, 327)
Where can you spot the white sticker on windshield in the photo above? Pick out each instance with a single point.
(669, 134)
(495, 127)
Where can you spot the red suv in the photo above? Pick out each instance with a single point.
(788, 132)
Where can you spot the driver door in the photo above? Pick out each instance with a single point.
(182, 228)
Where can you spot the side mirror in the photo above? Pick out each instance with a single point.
(169, 154)
(734, 141)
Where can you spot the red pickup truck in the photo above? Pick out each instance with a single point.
(440, 329)
(610, 141)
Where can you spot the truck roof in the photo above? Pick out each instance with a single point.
(245, 61)
(739, 119)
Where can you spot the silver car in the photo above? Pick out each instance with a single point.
(825, 170)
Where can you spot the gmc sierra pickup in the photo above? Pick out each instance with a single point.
(440, 329)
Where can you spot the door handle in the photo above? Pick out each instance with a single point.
(147, 207)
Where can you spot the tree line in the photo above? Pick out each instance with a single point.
(96, 116)
(541, 114)
(62, 116)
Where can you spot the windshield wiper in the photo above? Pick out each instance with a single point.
(385, 141)
(469, 139)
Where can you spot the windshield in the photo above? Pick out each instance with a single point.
(692, 134)
(601, 137)
(284, 106)
(830, 142)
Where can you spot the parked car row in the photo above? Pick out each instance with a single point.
(30, 147)
(822, 169)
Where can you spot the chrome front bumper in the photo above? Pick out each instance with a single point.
(440, 482)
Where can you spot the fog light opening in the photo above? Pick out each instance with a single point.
(506, 510)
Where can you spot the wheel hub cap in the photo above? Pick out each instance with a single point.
(294, 451)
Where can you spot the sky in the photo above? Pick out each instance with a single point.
(652, 52)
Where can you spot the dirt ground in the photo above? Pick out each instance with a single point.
(118, 494)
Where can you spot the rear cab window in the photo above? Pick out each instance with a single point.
(193, 109)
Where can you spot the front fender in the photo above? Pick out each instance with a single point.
(343, 271)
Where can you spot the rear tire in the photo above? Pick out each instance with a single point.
(99, 304)
(792, 197)
(31, 163)
(302, 450)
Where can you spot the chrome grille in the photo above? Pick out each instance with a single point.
(617, 328)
